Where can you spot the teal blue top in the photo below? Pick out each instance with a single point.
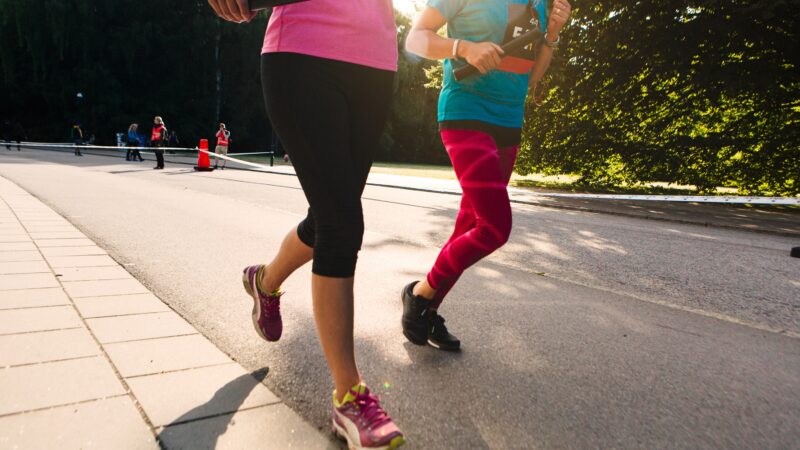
(498, 97)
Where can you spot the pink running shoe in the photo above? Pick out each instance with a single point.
(361, 421)
(266, 308)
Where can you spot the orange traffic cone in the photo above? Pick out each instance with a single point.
(203, 162)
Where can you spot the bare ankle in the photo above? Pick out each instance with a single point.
(424, 290)
(268, 286)
(342, 390)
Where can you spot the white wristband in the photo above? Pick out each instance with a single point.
(455, 48)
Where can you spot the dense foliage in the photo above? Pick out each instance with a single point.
(690, 92)
(705, 93)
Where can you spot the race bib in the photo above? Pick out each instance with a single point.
(522, 18)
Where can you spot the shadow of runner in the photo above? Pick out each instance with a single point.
(225, 401)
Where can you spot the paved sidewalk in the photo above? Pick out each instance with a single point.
(89, 358)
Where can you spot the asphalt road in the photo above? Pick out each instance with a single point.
(587, 330)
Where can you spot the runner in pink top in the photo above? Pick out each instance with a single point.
(327, 71)
(355, 31)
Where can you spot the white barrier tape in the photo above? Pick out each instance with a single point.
(252, 153)
(729, 199)
(125, 149)
(100, 147)
(725, 199)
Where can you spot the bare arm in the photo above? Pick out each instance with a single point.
(542, 64)
(558, 18)
(422, 40)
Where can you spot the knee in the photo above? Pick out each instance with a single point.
(337, 243)
(345, 232)
(496, 231)
(306, 231)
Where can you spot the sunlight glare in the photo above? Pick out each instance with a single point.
(408, 7)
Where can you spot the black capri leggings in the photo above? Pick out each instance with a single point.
(329, 116)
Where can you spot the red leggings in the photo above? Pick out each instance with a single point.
(484, 220)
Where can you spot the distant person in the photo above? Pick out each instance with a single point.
(7, 133)
(158, 139)
(134, 142)
(173, 139)
(77, 137)
(18, 134)
(223, 137)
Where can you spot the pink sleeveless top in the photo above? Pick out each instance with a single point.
(356, 31)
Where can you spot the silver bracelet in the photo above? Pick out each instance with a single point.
(455, 48)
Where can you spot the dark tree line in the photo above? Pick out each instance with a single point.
(691, 92)
(131, 60)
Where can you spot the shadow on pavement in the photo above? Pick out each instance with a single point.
(228, 398)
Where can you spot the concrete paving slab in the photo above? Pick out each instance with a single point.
(28, 348)
(19, 256)
(21, 267)
(38, 319)
(86, 250)
(137, 327)
(112, 423)
(14, 232)
(92, 273)
(59, 220)
(97, 288)
(273, 427)
(59, 262)
(74, 242)
(198, 393)
(37, 215)
(17, 247)
(54, 227)
(14, 238)
(27, 281)
(154, 356)
(31, 298)
(57, 234)
(119, 305)
(36, 386)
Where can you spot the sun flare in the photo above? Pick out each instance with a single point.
(408, 7)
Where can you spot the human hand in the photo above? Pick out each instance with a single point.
(233, 10)
(558, 18)
(485, 56)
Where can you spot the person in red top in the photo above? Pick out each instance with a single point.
(223, 137)
(157, 140)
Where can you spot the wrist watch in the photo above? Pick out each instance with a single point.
(553, 45)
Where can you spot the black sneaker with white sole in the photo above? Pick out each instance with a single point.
(438, 336)
(422, 325)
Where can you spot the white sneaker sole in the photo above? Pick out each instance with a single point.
(343, 434)
(256, 305)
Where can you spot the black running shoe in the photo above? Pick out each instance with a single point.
(422, 325)
(438, 336)
(415, 312)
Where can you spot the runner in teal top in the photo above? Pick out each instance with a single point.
(480, 121)
(498, 97)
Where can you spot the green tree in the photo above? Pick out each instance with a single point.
(702, 93)
(412, 132)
